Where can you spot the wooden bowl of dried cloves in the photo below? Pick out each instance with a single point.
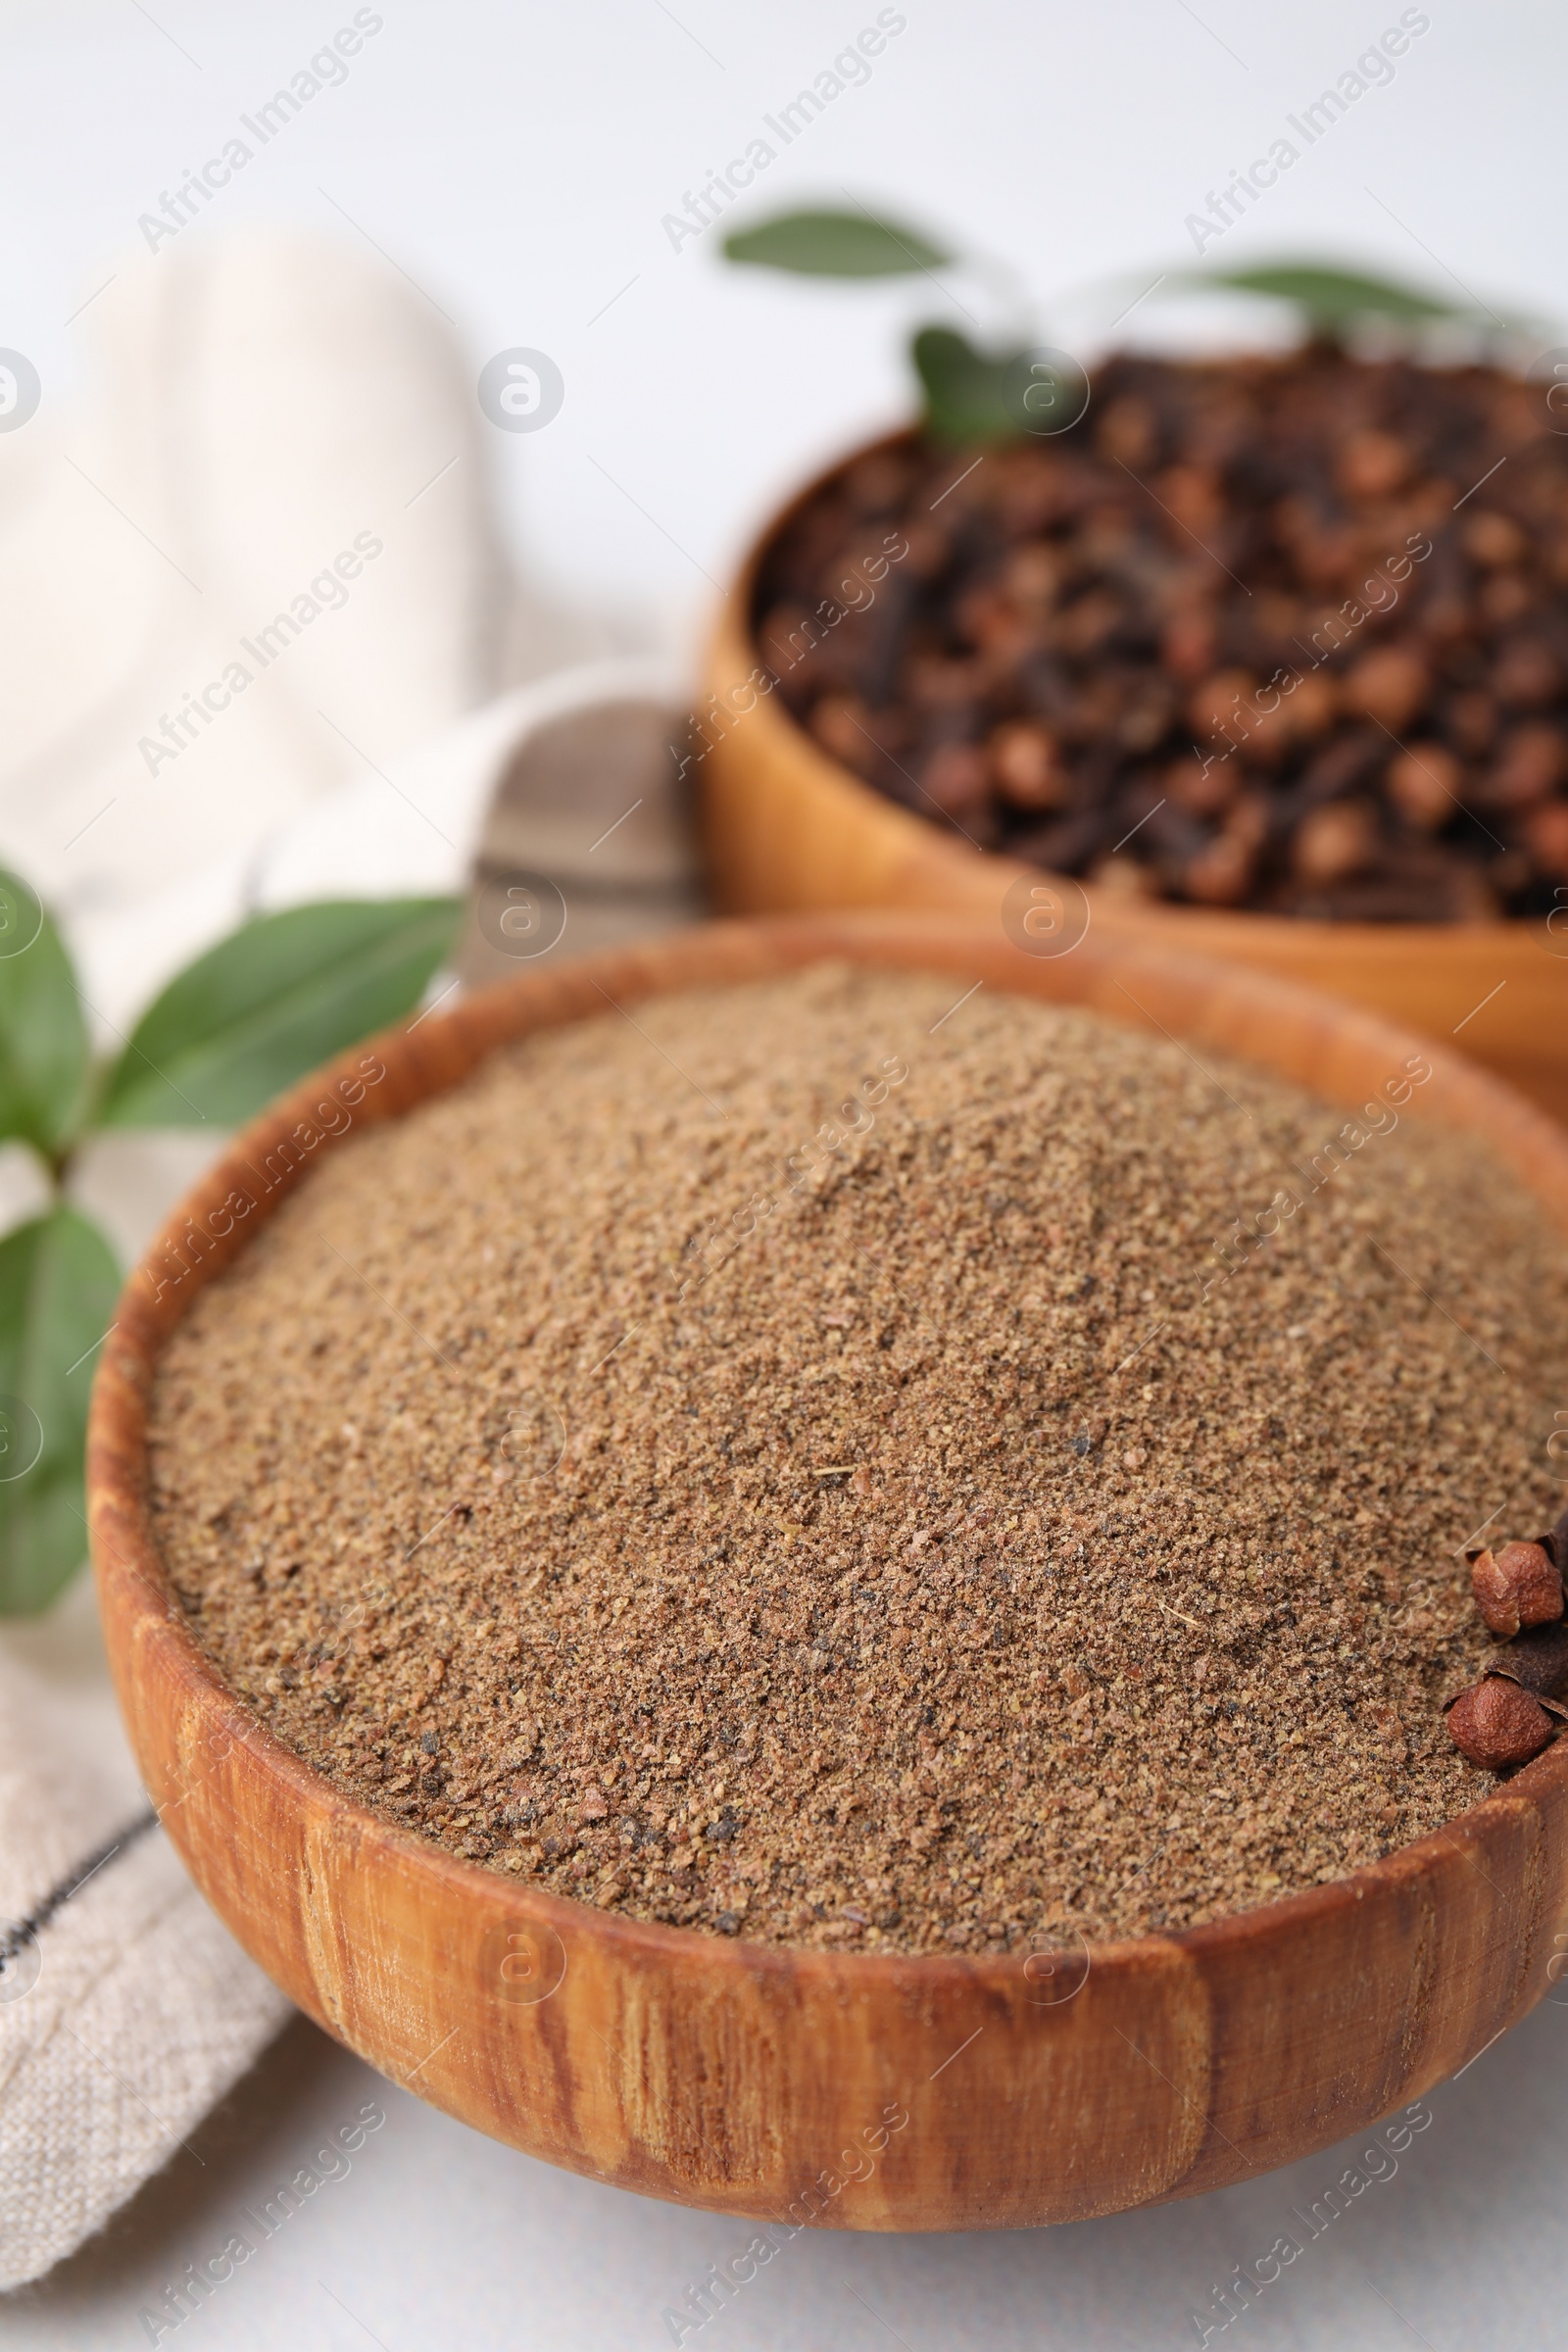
(1265, 658)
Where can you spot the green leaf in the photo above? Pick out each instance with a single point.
(826, 244)
(43, 1038)
(966, 390)
(1331, 300)
(268, 1004)
(58, 1286)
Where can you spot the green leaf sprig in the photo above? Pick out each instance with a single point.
(261, 1008)
(1331, 304)
(974, 392)
(829, 244)
(965, 386)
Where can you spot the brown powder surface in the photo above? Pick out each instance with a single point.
(943, 1543)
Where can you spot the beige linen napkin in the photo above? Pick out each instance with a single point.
(126, 2007)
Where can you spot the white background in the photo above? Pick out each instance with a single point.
(515, 161)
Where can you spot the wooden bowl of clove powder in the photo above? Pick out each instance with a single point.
(815, 1569)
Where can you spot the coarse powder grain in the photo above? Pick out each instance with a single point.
(795, 1464)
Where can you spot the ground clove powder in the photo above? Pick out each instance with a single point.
(845, 1461)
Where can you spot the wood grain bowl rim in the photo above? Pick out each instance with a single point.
(178, 1706)
(1219, 930)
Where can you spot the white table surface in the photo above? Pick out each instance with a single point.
(438, 2239)
(515, 160)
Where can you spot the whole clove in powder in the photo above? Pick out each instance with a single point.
(844, 1461)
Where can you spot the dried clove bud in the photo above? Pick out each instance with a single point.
(1496, 1723)
(1555, 1543)
(1518, 1586)
(1536, 1658)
